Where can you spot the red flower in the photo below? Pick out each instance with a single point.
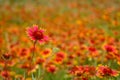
(40, 61)
(51, 68)
(103, 71)
(7, 56)
(37, 34)
(80, 71)
(84, 79)
(5, 74)
(60, 55)
(92, 49)
(109, 48)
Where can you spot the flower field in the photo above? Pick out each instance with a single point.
(59, 39)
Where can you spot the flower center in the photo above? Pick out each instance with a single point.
(38, 35)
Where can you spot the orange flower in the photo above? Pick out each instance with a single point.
(46, 52)
(24, 53)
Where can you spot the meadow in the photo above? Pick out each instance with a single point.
(59, 39)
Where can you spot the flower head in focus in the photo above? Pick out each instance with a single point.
(37, 34)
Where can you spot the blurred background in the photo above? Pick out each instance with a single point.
(60, 16)
(92, 12)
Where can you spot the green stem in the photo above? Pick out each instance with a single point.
(33, 51)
